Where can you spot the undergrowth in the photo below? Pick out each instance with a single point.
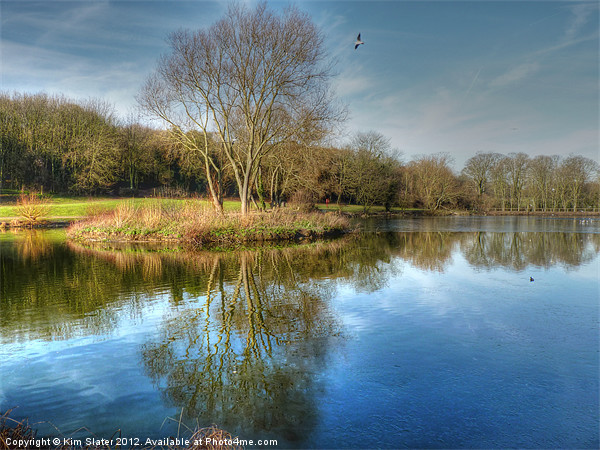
(198, 225)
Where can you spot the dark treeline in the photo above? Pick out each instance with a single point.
(53, 144)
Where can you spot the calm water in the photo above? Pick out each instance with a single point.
(417, 333)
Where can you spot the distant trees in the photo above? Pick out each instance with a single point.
(370, 171)
(135, 150)
(578, 171)
(546, 183)
(540, 181)
(478, 170)
(54, 144)
(432, 182)
(255, 79)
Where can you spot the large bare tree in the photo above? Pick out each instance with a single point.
(433, 181)
(255, 78)
(478, 169)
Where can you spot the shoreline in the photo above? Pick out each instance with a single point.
(208, 242)
(563, 214)
(12, 223)
(200, 228)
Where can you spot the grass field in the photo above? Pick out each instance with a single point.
(66, 208)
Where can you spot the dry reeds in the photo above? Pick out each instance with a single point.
(212, 438)
(12, 432)
(16, 435)
(194, 223)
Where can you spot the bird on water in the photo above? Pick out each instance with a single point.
(530, 279)
(358, 42)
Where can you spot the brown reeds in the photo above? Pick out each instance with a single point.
(13, 431)
(16, 434)
(212, 438)
(195, 224)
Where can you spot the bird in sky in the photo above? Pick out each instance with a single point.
(358, 42)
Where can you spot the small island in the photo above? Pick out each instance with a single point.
(193, 224)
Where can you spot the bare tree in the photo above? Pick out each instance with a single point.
(254, 78)
(517, 171)
(577, 171)
(500, 182)
(478, 169)
(433, 181)
(540, 180)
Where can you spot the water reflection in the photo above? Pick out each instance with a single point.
(519, 250)
(53, 290)
(250, 349)
(48, 292)
(241, 337)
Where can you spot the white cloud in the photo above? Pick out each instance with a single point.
(515, 74)
(349, 84)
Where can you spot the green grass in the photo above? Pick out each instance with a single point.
(71, 208)
(63, 207)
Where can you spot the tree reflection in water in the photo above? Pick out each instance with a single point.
(519, 250)
(53, 290)
(246, 332)
(250, 350)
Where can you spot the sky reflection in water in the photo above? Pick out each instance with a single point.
(430, 338)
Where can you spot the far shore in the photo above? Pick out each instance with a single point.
(565, 214)
(291, 223)
(65, 222)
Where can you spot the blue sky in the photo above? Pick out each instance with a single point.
(433, 76)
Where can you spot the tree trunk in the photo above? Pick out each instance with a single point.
(215, 196)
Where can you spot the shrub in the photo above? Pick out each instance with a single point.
(123, 213)
(303, 201)
(31, 207)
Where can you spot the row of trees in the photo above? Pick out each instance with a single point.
(57, 145)
(245, 108)
(547, 183)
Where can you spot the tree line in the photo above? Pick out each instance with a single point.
(53, 144)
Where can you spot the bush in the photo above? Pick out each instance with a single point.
(303, 201)
(32, 207)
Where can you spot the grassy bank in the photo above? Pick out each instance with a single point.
(61, 208)
(194, 223)
(73, 208)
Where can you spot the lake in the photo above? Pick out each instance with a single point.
(423, 332)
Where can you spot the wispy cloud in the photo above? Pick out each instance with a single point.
(352, 84)
(515, 74)
(580, 15)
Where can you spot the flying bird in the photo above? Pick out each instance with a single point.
(358, 42)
